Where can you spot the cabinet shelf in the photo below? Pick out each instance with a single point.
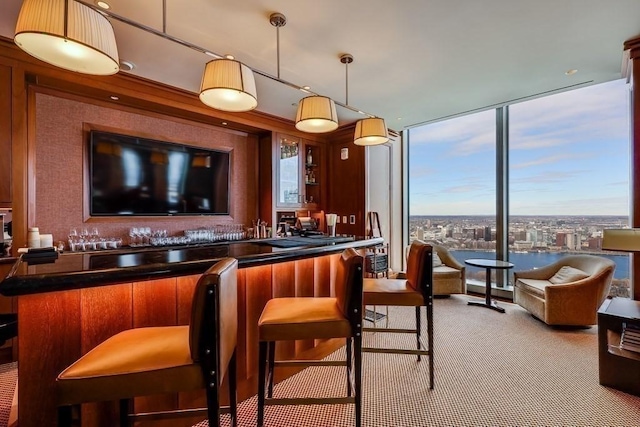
(310, 165)
(312, 183)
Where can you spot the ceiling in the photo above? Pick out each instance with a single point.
(415, 61)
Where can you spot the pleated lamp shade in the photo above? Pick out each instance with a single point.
(228, 85)
(621, 239)
(87, 44)
(371, 131)
(316, 114)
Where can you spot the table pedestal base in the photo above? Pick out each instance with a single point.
(492, 305)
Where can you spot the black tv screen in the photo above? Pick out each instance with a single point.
(138, 176)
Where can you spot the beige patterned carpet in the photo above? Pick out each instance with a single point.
(491, 369)
(8, 379)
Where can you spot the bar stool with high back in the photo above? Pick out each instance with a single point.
(301, 318)
(416, 291)
(165, 359)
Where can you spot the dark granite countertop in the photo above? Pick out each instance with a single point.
(76, 270)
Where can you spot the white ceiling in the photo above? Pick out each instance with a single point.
(415, 60)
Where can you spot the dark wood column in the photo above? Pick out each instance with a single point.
(632, 49)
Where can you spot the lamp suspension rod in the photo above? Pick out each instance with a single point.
(346, 59)
(164, 16)
(205, 51)
(66, 19)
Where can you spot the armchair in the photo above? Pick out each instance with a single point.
(565, 301)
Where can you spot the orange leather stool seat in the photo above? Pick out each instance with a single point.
(164, 359)
(285, 319)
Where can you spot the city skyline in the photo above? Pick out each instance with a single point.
(569, 155)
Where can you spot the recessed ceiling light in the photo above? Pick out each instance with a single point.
(399, 118)
(571, 72)
(115, 98)
(127, 65)
(230, 57)
(224, 123)
(103, 4)
(305, 89)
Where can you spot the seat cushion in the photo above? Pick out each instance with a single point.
(302, 318)
(568, 274)
(391, 292)
(445, 271)
(135, 362)
(533, 286)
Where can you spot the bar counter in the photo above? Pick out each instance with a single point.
(69, 305)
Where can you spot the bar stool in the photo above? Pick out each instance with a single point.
(416, 291)
(167, 359)
(299, 318)
(8, 326)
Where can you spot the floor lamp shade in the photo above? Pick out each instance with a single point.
(371, 131)
(69, 35)
(228, 85)
(623, 239)
(316, 114)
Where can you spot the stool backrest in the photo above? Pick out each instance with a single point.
(348, 284)
(420, 267)
(213, 331)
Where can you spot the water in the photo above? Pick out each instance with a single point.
(531, 260)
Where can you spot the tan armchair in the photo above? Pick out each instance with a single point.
(449, 277)
(575, 302)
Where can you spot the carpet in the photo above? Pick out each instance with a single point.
(491, 369)
(8, 380)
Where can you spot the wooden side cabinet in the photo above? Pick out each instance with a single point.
(619, 368)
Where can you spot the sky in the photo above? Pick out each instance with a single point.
(568, 155)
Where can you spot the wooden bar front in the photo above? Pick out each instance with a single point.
(56, 328)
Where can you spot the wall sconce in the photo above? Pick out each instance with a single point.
(69, 35)
(316, 114)
(228, 85)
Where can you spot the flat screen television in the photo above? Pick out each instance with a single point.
(142, 177)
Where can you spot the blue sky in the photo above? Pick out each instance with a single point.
(569, 155)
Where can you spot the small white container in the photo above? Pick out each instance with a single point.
(33, 237)
(46, 240)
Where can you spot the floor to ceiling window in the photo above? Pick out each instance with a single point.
(568, 179)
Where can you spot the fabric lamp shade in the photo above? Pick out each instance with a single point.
(623, 239)
(371, 131)
(228, 85)
(69, 35)
(316, 114)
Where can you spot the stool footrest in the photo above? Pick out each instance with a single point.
(297, 363)
(178, 413)
(394, 351)
(309, 401)
(390, 330)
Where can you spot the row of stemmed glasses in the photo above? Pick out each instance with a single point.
(88, 239)
(140, 236)
(217, 233)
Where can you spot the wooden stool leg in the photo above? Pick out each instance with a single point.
(349, 364)
(125, 407)
(271, 371)
(64, 416)
(233, 387)
(358, 380)
(418, 330)
(430, 341)
(262, 365)
(213, 402)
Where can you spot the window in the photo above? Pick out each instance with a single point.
(568, 179)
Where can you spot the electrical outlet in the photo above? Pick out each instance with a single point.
(344, 219)
(352, 219)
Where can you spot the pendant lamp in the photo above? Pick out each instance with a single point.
(228, 85)
(316, 114)
(67, 34)
(370, 131)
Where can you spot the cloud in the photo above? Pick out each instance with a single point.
(554, 158)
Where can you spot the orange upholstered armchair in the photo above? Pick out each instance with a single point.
(566, 292)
